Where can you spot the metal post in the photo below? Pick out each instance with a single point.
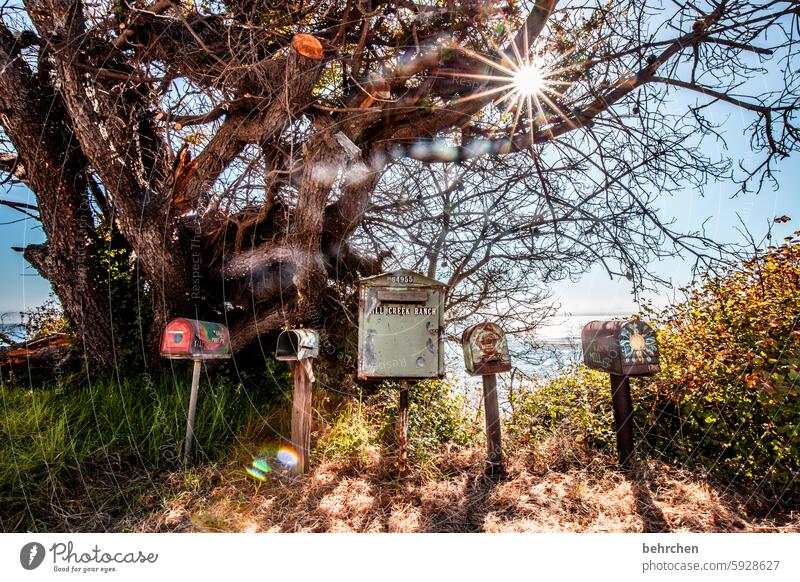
(494, 446)
(187, 447)
(623, 416)
(402, 430)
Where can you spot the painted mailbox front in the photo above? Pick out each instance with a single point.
(400, 326)
(192, 339)
(624, 348)
(485, 349)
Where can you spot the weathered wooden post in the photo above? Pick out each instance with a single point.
(486, 355)
(299, 347)
(623, 348)
(402, 429)
(400, 336)
(190, 339)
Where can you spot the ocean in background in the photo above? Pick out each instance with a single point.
(10, 326)
(559, 346)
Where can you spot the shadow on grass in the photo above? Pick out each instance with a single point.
(653, 520)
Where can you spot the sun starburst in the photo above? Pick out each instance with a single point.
(525, 84)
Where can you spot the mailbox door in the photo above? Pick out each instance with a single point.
(176, 341)
(400, 328)
(638, 349)
(485, 349)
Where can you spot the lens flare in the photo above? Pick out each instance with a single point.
(273, 461)
(286, 457)
(262, 465)
(255, 473)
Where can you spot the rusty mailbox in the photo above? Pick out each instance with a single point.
(297, 344)
(400, 326)
(620, 347)
(192, 339)
(485, 349)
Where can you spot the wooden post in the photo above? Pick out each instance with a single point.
(302, 379)
(402, 430)
(494, 445)
(187, 445)
(623, 417)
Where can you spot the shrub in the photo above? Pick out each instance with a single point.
(44, 320)
(577, 403)
(727, 396)
(363, 430)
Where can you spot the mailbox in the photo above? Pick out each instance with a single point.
(485, 349)
(621, 347)
(297, 344)
(192, 339)
(400, 326)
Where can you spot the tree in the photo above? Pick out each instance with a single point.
(239, 152)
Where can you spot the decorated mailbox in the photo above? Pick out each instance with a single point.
(191, 339)
(623, 348)
(400, 326)
(297, 344)
(195, 340)
(485, 349)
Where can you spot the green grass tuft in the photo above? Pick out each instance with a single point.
(94, 449)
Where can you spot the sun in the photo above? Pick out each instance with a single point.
(524, 83)
(529, 80)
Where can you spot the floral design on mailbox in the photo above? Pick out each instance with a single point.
(195, 340)
(485, 349)
(622, 347)
(400, 326)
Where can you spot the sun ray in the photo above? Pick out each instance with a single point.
(530, 121)
(558, 111)
(483, 94)
(488, 61)
(473, 76)
(517, 115)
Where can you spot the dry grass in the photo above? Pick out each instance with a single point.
(551, 487)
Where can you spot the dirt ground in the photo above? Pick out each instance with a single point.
(552, 488)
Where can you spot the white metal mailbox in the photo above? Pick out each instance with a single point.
(297, 344)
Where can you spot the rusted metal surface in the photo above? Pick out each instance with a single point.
(389, 296)
(485, 349)
(622, 347)
(195, 340)
(400, 326)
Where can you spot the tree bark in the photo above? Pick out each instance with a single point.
(35, 121)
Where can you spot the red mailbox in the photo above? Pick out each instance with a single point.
(192, 339)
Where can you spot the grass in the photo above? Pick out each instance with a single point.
(80, 457)
(555, 485)
(106, 457)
